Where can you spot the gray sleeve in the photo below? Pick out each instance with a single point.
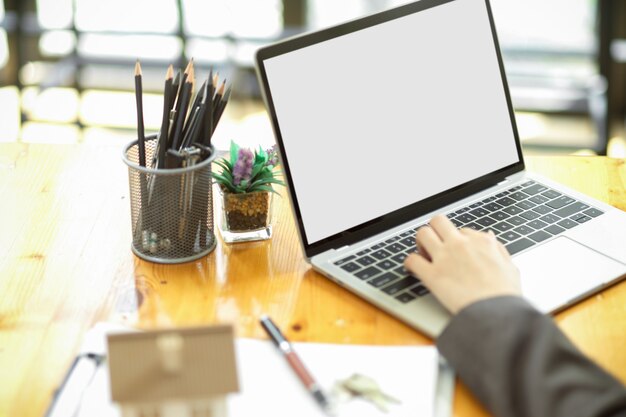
(518, 363)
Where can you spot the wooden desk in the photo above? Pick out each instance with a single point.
(65, 263)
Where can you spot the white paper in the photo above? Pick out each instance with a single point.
(268, 386)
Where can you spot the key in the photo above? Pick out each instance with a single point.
(525, 205)
(519, 245)
(350, 267)
(560, 202)
(396, 247)
(550, 194)
(519, 196)
(345, 260)
(593, 212)
(366, 260)
(543, 209)
(465, 218)
(367, 388)
(479, 212)
(571, 209)
(506, 201)
(500, 215)
(539, 199)
(513, 210)
(537, 188)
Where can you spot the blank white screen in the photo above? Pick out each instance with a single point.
(387, 116)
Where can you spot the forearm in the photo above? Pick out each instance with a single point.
(518, 363)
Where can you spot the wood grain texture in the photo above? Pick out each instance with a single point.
(65, 263)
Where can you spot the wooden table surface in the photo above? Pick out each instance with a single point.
(65, 264)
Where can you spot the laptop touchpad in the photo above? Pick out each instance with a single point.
(562, 270)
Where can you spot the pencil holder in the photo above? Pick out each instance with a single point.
(171, 209)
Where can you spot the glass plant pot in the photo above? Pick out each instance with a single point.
(245, 217)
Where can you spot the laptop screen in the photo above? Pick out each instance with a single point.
(376, 119)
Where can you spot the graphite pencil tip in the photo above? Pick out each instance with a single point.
(170, 73)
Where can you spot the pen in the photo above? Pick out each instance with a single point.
(296, 364)
(68, 397)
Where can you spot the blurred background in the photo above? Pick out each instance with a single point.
(66, 66)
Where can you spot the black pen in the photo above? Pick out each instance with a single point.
(296, 364)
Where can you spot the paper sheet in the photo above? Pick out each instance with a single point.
(407, 373)
(269, 387)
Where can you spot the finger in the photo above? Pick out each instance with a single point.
(492, 236)
(419, 266)
(466, 231)
(428, 240)
(443, 227)
(505, 253)
(419, 248)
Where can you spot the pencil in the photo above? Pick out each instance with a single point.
(167, 98)
(172, 105)
(185, 75)
(198, 125)
(141, 139)
(222, 104)
(142, 223)
(208, 118)
(180, 117)
(178, 102)
(215, 106)
(217, 99)
(196, 103)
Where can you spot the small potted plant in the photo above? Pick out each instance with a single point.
(246, 188)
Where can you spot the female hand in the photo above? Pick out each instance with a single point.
(461, 267)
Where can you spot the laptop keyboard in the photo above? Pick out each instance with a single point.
(520, 217)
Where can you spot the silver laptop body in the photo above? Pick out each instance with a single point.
(385, 121)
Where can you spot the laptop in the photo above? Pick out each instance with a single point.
(384, 121)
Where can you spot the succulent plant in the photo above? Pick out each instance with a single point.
(247, 171)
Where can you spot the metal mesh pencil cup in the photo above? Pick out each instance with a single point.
(171, 209)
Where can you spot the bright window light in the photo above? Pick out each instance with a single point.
(111, 108)
(108, 136)
(540, 23)
(240, 18)
(55, 14)
(35, 132)
(244, 53)
(52, 104)
(256, 18)
(322, 13)
(206, 18)
(208, 51)
(152, 16)
(52, 73)
(57, 43)
(149, 47)
(10, 114)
